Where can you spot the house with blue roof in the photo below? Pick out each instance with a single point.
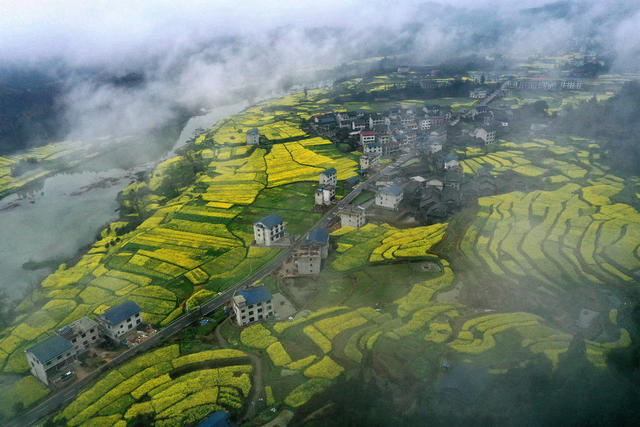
(50, 358)
(268, 230)
(252, 304)
(253, 137)
(389, 197)
(120, 319)
(307, 258)
(328, 177)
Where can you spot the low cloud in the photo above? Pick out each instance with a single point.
(202, 54)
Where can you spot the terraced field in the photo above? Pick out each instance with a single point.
(170, 388)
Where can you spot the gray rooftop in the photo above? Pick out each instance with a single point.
(50, 348)
(392, 189)
(121, 312)
(270, 220)
(318, 235)
(328, 172)
(251, 131)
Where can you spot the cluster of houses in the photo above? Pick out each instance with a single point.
(53, 358)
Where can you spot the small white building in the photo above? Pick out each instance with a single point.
(120, 319)
(82, 334)
(353, 216)
(328, 177)
(367, 161)
(252, 305)
(268, 230)
(50, 358)
(451, 161)
(435, 183)
(478, 93)
(324, 195)
(374, 149)
(389, 197)
(367, 136)
(253, 137)
(487, 135)
(308, 257)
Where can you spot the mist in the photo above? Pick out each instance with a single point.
(126, 69)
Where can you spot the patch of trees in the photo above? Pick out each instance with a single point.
(23, 165)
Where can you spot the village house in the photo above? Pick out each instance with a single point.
(377, 119)
(324, 195)
(434, 183)
(435, 142)
(368, 160)
(328, 177)
(268, 230)
(478, 93)
(486, 134)
(571, 83)
(120, 319)
(252, 305)
(373, 149)
(367, 137)
(389, 197)
(345, 120)
(353, 216)
(308, 257)
(451, 161)
(253, 137)
(82, 334)
(51, 358)
(350, 183)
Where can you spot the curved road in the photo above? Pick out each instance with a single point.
(68, 393)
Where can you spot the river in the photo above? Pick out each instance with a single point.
(68, 212)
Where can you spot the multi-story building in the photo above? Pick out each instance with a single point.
(367, 137)
(328, 177)
(120, 319)
(50, 358)
(353, 216)
(309, 255)
(82, 334)
(252, 305)
(268, 230)
(368, 160)
(389, 197)
(324, 194)
(374, 149)
(253, 137)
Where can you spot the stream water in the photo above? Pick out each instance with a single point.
(67, 213)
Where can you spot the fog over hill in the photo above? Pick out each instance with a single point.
(120, 68)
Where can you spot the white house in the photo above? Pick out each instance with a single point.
(252, 305)
(368, 160)
(451, 161)
(120, 319)
(268, 230)
(353, 216)
(82, 334)
(50, 358)
(487, 135)
(367, 136)
(325, 194)
(253, 137)
(478, 93)
(374, 149)
(328, 177)
(389, 197)
(309, 255)
(571, 83)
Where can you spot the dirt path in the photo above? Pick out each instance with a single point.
(256, 389)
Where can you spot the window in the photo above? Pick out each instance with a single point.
(137, 321)
(137, 314)
(260, 310)
(92, 329)
(122, 326)
(130, 325)
(251, 313)
(74, 340)
(84, 335)
(251, 319)
(85, 343)
(93, 338)
(59, 357)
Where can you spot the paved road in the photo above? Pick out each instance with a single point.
(68, 393)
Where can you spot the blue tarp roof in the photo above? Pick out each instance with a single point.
(120, 312)
(255, 295)
(217, 419)
(392, 189)
(270, 220)
(50, 348)
(318, 235)
(254, 130)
